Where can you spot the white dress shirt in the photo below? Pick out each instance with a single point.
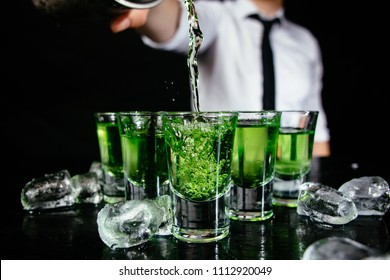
(229, 60)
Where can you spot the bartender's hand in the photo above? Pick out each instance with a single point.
(158, 23)
(133, 18)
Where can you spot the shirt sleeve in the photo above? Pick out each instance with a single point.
(322, 131)
(209, 14)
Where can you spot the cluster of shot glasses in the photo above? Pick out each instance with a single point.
(214, 166)
(190, 173)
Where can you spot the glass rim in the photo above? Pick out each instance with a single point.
(300, 111)
(194, 113)
(108, 113)
(261, 112)
(138, 113)
(258, 111)
(105, 117)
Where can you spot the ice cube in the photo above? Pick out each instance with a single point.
(129, 223)
(324, 204)
(371, 195)
(338, 248)
(48, 192)
(88, 188)
(96, 167)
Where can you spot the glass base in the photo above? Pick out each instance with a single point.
(251, 204)
(113, 199)
(133, 191)
(200, 222)
(251, 216)
(278, 201)
(200, 235)
(285, 192)
(113, 188)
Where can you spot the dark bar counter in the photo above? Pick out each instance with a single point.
(72, 234)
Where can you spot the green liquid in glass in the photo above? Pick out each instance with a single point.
(254, 155)
(294, 153)
(200, 155)
(145, 162)
(110, 147)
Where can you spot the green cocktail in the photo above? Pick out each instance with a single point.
(144, 154)
(294, 155)
(253, 166)
(110, 149)
(254, 156)
(199, 150)
(199, 173)
(110, 156)
(145, 164)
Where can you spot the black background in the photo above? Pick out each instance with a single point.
(57, 72)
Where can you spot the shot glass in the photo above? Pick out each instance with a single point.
(294, 155)
(113, 186)
(253, 165)
(144, 154)
(200, 149)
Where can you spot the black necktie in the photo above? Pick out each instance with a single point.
(268, 65)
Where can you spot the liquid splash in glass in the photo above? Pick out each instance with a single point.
(196, 39)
